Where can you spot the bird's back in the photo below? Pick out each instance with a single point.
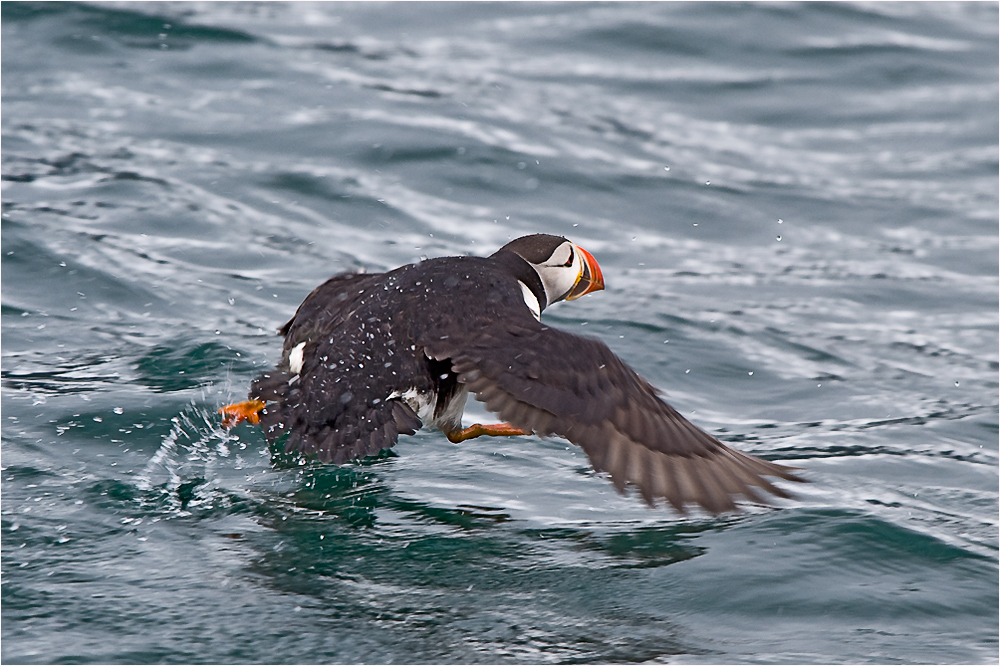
(356, 345)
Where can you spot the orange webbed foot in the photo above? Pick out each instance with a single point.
(238, 412)
(478, 429)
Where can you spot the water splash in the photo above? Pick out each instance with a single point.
(187, 457)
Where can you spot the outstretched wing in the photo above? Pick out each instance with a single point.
(326, 391)
(548, 381)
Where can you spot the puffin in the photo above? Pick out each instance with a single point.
(372, 356)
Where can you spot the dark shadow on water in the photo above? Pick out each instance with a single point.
(351, 493)
(133, 29)
(848, 533)
(468, 578)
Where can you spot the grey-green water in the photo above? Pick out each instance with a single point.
(795, 206)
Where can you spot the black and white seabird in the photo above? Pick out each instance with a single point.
(368, 357)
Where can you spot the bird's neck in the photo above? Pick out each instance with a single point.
(522, 270)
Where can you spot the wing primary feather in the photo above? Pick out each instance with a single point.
(750, 472)
(634, 471)
(692, 490)
(657, 477)
(718, 499)
(730, 481)
(644, 468)
(674, 492)
(616, 460)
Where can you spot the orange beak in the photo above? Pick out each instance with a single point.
(591, 278)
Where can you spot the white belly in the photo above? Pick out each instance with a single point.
(424, 405)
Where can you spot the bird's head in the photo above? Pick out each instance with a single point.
(566, 270)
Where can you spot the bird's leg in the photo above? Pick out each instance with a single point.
(477, 429)
(241, 411)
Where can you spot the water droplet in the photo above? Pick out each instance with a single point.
(780, 220)
(696, 224)
(956, 383)
(818, 385)
(779, 239)
(687, 371)
(750, 373)
(708, 182)
(666, 168)
(98, 419)
(119, 410)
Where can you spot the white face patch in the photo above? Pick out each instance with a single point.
(561, 256)
(560, 272)
(295, 357)
(530, 300)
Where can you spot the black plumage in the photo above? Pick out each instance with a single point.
(368, 357)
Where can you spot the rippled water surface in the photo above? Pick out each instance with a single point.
(795, 207)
